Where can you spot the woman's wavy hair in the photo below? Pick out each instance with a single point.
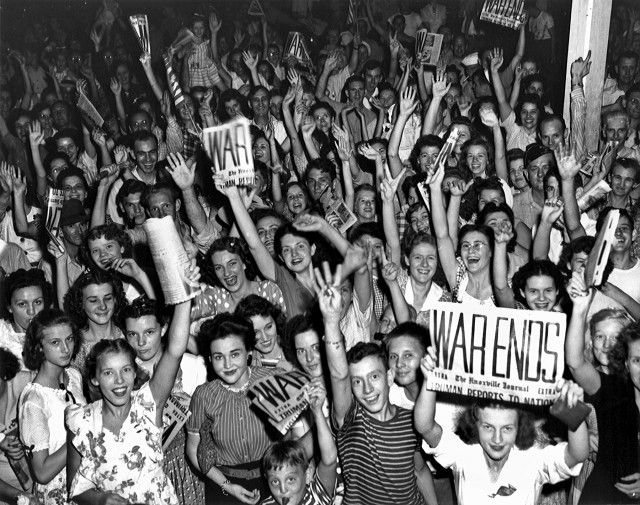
(468, 420)
(109, 232)
(21, 279)
(619, 355)
(254, 305)
(9, 364)
(237, 246)
(534, 268)
(222, 326)
(33, 353)
(480, 228)
(73, 300)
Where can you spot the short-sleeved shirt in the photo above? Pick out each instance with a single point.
(235, 434)
(526, 209)
(378, 458)
(336, 82)
(520, 480)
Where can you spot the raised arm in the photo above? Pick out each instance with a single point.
(258, 250)
(501, 96)
(490, 120)
(353, 61)
(577, 449)
(36, 138)
(330, 306)
(446, 251)
(501, 289)
(388, 190)
(165, 375)
(578, 104)
(568, 168)
(551, 212)
(582, 370)
(327, 466)
(399, 304)
(424, 412)
(145, 60)
(329, 65)
(440, 89)
(292, 132)
(183, 173)
(407, 105)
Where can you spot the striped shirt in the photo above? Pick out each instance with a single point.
(377, 458)
(234, 435)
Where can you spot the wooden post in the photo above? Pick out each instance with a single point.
(589, 30)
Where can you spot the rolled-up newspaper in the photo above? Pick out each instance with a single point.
(171, 260)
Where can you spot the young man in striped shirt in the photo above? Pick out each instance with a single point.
(376, 440)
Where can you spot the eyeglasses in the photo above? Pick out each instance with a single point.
(476, 246)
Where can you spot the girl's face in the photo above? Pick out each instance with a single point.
(451, 95)
(229, 358)
(365, 206)
(423, 262)
(419, 220)
(323, 120)
(296, 252)
(229, 269)
(497, 431)
(477, 159)
(144, 334)
(198, 29)
(55, 167)
(540, 293)
(261, 150)
(516, 174)
(233, 108)
(25, 304)
(405, 354)
(605, 335)
(98, 302)
(427, 158)
(296, 200)
(115, 376)
(387, 97)
(266, 333)
(103, 251)
(530, 115)
(475, 251)
(58, 344)
(412, 197)
(307, 347)
(496, 219)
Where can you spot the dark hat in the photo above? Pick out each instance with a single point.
(73, 212)
(534, 151)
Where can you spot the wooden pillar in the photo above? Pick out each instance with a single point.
(589, 31)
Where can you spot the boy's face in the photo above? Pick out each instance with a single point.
(623, 235)
(317, 182)
(405, 354)
(622, 180)
(287, 482)
(370, 383)
(490, 195)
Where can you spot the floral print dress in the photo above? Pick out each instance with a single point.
(128, 464)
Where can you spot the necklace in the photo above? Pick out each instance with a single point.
(238, 390)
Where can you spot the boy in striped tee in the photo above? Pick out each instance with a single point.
(376, 440)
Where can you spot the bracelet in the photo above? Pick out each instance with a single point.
(224, 492)
(579, 85)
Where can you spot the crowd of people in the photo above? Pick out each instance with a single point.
(382, 184)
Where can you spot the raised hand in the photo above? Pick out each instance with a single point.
(504, 233)
(115, 86)
(99, 137)
(579, 292)
(394, 46)
(369, 152)
(440, 87)
(145, 59)
(81, 87)
(569, 391)
(459, 187)
(389, 270)
(316, 394)
(249, 60)
(326, 287)
(581, 67)
(214, 23)
(308, 223)
(183, 172)
(293, 76)
(308, 126)
(6, 177)
(331, 62)
(238, 37)
(408, 101)
(496, 59)
(568, 166)
(464, 104)
(344, 148)
(429, 362)
(36, 135)
(488, 116)
(552, 210)
(126, 266)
